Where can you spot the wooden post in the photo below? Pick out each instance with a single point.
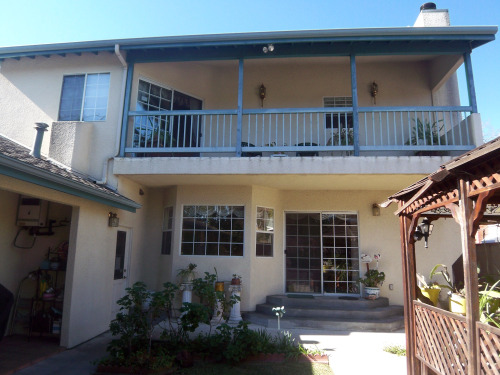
(409, 289)
(470, 272)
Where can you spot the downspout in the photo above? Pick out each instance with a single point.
(120, 57)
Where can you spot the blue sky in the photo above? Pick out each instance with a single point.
(26, 22)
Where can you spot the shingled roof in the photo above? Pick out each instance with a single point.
(16, 161)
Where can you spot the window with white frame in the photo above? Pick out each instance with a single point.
(338, 120)
(168, 223)
(84, 97)
(265, 232)
(213, 230)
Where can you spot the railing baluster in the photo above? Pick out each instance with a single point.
(380, 128)
(366, 130)
(443, 128)
(460, 131)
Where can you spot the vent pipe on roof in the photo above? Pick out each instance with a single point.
(40, 127)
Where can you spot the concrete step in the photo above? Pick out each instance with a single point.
(388, 324)
(329, 313)
(326, 302)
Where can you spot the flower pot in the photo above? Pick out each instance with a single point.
(235, 281)
(371, 292)
(219, 286)
(457, 304)
(432, 294)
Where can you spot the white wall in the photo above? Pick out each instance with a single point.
(264, 276)
(30, 91)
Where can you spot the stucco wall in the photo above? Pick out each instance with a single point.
(300, 83)
(30, 91)
(265, 276)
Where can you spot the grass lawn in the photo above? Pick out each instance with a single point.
(266, 368)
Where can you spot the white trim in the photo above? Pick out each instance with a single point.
(245, 214)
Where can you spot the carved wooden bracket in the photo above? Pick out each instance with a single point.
(478, 212)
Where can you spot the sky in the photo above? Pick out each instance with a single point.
(27, 22)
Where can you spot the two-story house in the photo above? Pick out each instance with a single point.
(261, 154)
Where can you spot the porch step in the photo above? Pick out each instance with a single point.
(330, 313)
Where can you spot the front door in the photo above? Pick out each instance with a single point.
(120, 282)
(322, 253)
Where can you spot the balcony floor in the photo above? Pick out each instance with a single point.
(303, 173)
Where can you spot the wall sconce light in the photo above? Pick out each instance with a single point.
(423, 230)
(113, 220)
(268, 48)
(375, 209)
(262, 94)
(374, 91)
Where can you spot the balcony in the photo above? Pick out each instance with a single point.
(302, 132)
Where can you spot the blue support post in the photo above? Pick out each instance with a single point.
(126, 107)
(470, 82)
(355, 108)
(240, 108)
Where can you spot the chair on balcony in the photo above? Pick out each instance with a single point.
(306, 153)
(249, 154)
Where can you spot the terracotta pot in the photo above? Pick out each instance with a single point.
(235, 281)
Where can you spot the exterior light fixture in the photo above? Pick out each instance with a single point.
(262, 94)
(423, 230)
(375, 209)
(268, 48)
(374, 91)
(113, 220)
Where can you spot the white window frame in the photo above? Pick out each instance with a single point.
(213, 255)
(82, 104)
(168, 226)
(265, 229)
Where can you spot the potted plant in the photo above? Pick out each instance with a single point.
(236, 280)
(187, 274)
(372, 281)
(456, 296)
(430, 290)
(427, 134)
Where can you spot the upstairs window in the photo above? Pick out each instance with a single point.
(84, 97)
(336, 120)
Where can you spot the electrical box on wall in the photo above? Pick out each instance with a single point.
(32, 212)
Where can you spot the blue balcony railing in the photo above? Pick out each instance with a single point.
(299, 132)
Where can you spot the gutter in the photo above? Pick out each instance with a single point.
(105, 169)
(72, 187)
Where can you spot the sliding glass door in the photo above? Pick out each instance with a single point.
(322, 253)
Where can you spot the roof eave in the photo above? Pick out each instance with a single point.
(361, 34)
(29, 173)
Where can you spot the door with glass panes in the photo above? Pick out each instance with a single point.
(322, 253)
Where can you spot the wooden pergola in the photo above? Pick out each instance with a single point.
(438, 341)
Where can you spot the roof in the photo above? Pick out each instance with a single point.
(16, 162)
(452, 39)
